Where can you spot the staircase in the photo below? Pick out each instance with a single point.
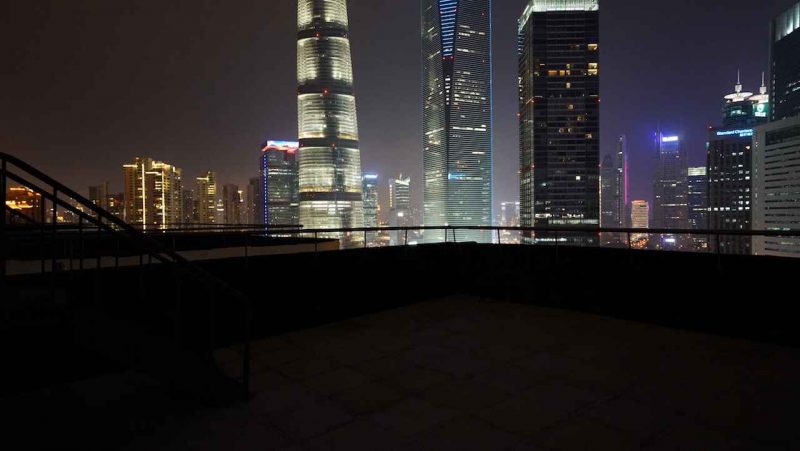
(82, 311)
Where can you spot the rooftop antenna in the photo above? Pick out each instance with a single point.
(738, 81)
(763, 89)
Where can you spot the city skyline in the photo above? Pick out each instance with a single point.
(217, 129)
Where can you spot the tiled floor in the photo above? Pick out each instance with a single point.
(479, 375)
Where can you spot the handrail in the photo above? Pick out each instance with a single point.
(147, 244)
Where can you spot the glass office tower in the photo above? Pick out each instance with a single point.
(670, 191)
(279, 183)
(329, 161)
(457, 115)
(730, 166)
(559, 114)
(785, 64)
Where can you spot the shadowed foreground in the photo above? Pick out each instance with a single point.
(473, 374)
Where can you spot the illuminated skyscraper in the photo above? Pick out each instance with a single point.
(621, 182)
(206, 198)
(280, 183)
(776, 186)
(153, 194)
(608, 176)
(730, 166)
(400, 213)
(670, 206)
(640, 217)
(371, 209)
(329, 162)
(698, 198)
(785, 67)
(559, 113)
(457, 115)
(697, 189)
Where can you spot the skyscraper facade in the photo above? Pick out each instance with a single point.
(670, 206)
(153, 194)
(785, 64)
(608, 176)
(640, 218)
(698, 198)
(776, 186)
(697, 191)
(371, 209)
(232, 202)
(254, 201)
(621, 182)
(400, 213)
(730, 166)
(279, 176)
(329, 161)
(206, 198)
(457, 115)
(98, 195)
(559, 114)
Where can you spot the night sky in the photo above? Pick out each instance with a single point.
(89, 84)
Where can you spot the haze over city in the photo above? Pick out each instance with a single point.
(202, 84)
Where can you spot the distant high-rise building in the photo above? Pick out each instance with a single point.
(371, 208)
(189, 208)
(621, 182)
(400, 212)
(730, 166)
(98, 195)
(280, 183)
(206, 198)
(698, 198)
(640, 217)
(608, 198)
(776, 186)
(457, 115)
(697, 189)
(559, 114)
(116, 204)
(232, 202)
(254, 201)
(400, 193)
(509, 214)
(670, 206)
(785, 67)
(329, 161)
(153, 194)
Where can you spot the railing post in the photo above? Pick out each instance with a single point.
(316, 247)
(53, 247)
(406, 240)
(3, 223)
(80, 242)
(499, 240)
(42, 221)
(365, 239)
(54, 223)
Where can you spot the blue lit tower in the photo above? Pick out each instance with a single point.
(457, 115)
(329, 161)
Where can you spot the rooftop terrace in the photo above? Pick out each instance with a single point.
(458, 373)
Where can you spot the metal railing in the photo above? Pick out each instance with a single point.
(98, 224)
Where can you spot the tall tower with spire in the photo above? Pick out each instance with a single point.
(329, 160)
(729, 165)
